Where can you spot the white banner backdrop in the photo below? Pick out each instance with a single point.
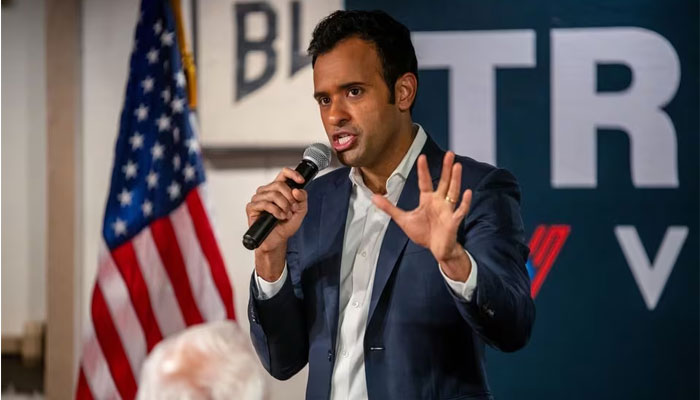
(256, 83)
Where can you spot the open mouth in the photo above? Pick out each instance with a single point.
(343, 141)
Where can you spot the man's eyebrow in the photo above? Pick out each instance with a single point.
(351, 84)
(319, 94)
(343, 86)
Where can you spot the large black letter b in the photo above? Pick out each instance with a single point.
(244, 46)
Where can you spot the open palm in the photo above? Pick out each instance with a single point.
(434, 223)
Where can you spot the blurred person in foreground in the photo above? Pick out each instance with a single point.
(211, 361)
(387, 277)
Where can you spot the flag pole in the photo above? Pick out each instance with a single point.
(187, 58)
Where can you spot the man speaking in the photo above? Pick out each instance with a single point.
(387, 276)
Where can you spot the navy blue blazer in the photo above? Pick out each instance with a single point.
(422, 341)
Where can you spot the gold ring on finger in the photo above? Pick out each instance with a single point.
(449, 200)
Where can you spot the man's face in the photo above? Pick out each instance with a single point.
(354, 102)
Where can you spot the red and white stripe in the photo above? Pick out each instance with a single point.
(169, 276)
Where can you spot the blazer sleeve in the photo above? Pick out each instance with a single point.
(278, 325)
(501, 311)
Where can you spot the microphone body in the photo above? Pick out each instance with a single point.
(308, 168)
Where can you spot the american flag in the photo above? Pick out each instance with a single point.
(160, 269)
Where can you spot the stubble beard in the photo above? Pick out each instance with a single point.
(351, 157)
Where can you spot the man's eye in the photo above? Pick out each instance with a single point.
(324, 101)
(354, 91)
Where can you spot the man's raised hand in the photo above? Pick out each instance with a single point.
(434, 223)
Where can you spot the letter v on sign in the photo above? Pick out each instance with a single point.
(651, 278)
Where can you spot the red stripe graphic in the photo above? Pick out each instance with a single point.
(111, 346)
(537, 239)
(546, 253)
(211, 251)
(544, 247)
(560, 235)
(82, 392)
(166, 242)
(128, 265)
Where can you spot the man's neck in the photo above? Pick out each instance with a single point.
(375, 177)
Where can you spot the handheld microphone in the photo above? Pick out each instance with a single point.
(316, 157)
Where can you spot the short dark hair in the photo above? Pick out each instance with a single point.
(391, 39)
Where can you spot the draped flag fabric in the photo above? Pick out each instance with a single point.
(160, 269)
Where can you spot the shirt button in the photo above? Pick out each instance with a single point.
(363, 254)
(356, 304)
(345, 353)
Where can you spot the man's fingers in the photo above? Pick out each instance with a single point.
(278, 198)
(455, 184)
(299, 194)
(300, 198)
(254, 210)
(274, 197)
(463, 208)
(425, 181)
(288, 173)
(280, 187)
(446, 172)
(383, 204)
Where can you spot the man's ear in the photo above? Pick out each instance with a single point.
(405, 91)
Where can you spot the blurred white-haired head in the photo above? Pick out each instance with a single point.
(212, 361)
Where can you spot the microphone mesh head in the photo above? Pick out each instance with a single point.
(319, 154)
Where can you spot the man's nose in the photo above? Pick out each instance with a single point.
(338, 114)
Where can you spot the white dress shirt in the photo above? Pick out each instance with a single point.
(364, 231)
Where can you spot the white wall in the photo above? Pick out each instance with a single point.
(23, 165)
(107, 40)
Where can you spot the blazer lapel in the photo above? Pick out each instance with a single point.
(334, 211)
(395, 239)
